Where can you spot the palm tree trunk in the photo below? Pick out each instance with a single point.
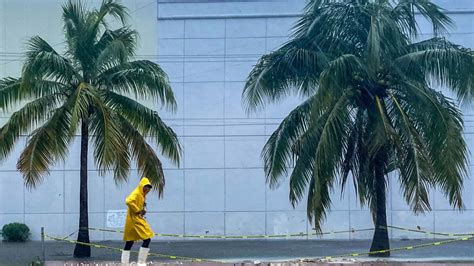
(380, 240)
(82, 251)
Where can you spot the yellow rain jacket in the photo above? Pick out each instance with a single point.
(136, 227)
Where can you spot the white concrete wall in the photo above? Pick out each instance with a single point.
(207, 49)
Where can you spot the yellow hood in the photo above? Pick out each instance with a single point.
(143, 182)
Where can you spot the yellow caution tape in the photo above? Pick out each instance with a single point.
(438, 243)
(300, 234)
(120, 250)
(68, 236)
(428, 232)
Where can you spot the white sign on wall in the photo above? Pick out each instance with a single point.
(116, 218)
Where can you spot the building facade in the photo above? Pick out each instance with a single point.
(207, 48)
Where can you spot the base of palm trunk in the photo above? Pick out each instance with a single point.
(82, 251)
(380, 242)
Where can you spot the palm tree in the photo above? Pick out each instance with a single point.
(91, 88)
(370, 106)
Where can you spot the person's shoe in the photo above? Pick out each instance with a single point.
(142, 256)
(125, 258)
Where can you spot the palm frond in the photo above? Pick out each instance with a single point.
(430, 11)
(142, 79)
(148, 163)
(335, 24)
(147, 122)
(80, 34)
(74, 16)
(350, 164)
(123, 159)
(79, 104)
(294, 68)
(115, 47)
(24, 120)
(416, 171)
(450, 148)
(338, 75)
(319, 200)
(373, 43)
(439, 60)
(10, 93)
(46, 144)
(43, 62)
(440, 122)
(111, 8)
(110, 151)
(321, 153)
(279, 149)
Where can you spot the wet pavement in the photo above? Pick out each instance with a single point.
(244, 251)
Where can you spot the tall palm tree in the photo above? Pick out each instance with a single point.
(370, 106)
(91, 88)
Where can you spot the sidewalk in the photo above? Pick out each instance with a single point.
(241, 251)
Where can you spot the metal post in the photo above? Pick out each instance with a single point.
(43, 254)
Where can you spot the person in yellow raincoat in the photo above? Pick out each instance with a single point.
(136, 227)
